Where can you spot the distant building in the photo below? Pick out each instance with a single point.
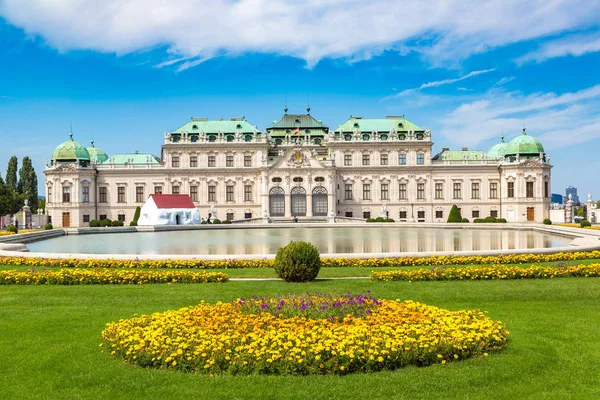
(570, 190)
(557, 198)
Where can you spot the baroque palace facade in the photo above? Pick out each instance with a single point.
(298, 167)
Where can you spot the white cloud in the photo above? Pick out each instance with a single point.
(438, 83)
(556, 120)
(504, 80)
(312, 30)
(574, 45)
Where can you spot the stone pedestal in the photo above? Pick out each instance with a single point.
(569, 211)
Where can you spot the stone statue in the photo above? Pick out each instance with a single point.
(589, 197)
(281, 152)
(313, 152)
(384, 210)
(27, 202)
(213, 211)
(548, 158)
(265, 214)
(570, 196)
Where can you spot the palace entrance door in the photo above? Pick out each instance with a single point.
(298, 202)
(66, 221)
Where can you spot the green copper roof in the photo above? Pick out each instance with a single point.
(302, 121)
(97, 155)
(524, 144)
(70, 151)
(457, 155)
(198, 125)
(379, 124)
(135, 158)
(498, 150)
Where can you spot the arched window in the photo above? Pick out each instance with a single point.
(278, 141)
(194, 126)
(319, 200)
(276, 180)
(230, 138)
(366, 136)
(248, 138)
(419, 136)
(319, 179)
(356, 125)
(298, 199)
(402, 136)
(212, 138)
(277, 202)
(298, 179)
(348, 137)
(384, 137)
(400, 125)
(317, 141)
(238, 126)
(194, 138)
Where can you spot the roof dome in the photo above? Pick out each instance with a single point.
(97, 155)
(70, 151)
(524, 144)
(498, 150)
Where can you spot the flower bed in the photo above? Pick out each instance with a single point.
(106, 277)
(486, 273)
(254, 336)
(326, 262)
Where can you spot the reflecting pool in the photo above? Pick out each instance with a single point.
(327, 240)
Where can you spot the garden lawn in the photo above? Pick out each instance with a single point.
(49, 337)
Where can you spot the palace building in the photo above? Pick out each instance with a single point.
(299, 167)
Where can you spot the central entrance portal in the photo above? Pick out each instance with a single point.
(277, 202)
(298, 202)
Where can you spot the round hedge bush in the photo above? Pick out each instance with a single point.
(12, 229)
(226, 222)
(466, 220)
(585, 223)
(216, 221)
(48, 227)
(297, 262)
(547, 222)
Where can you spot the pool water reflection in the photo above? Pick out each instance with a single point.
(327, 240)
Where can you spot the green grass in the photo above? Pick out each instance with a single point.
(49, 338)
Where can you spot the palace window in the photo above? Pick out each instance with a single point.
(366, 214)
(348, 214)
(319, 179)
(194, 193)
(212, 193)
(385, 193)
(229, 138)
(157, 189)
(456, 192)
(193, 161)
(420, 191)
(493, 190)
(175, 190)
(511, 189)
(139, 194)
(383, 159)
(49, 194)
(298, 179)
(248, 138)
(347, 159)
(475, 213)
(439, 191)
(403, 214)
(420, 215)
(402, 159)
(402, 191)
(229, 161)
(366, 191)
(229, 216)
(276, 180)
(420, 158)
(247, 192)
(229, 193)
(366, 137)
(212, 138)
(85, 194)
(546, 189)
(366, 159)
(212, 160)
(247, 161)
(121, 217)
(348, 191)
(529, 189)
(121, 194)
(102, 216)
(439, 214)
(494, 213)
(175, 162)
(347, 138)
(86, 218)
(474, 190)
(102, 194)
(66, 194)
(248, 215)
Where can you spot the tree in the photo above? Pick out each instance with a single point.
(454, 215)
(11, 174)
(41, 203)
(28, 184)
(580, 211)
(5, 198)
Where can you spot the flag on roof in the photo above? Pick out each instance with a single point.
(297, 131)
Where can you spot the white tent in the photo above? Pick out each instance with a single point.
(169, 209)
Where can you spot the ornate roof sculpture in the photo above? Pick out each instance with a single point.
(70, 151)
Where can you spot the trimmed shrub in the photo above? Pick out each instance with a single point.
(117, 223)
(94, 223)
(454, 215)
(136, 215)
(379, 219)
(464, 220)
(226, 222)
(133, 223)
(48, 227)
(501, 220)
(216, 221)
(203, 223)
(479, 221)
(105, 222)
(547, 222)
(389, 220)
(371, 220)
(490, 219)
(297, 262)
(12, 229)
(585, 223)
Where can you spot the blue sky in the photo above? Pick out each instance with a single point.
(125, 72)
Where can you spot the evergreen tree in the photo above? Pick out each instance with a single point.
(454, 215)
(11, 174)
(5, 198)
(28, 183)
